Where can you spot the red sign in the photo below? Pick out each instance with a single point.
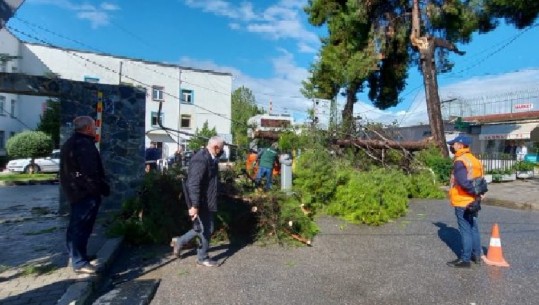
(527, 106)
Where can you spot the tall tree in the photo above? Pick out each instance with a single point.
(408, 32)
(50, 121)
(201, 137)
(243, 107)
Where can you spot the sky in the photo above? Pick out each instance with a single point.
(268, 47)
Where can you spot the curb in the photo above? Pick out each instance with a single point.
(29, 182)
(79, 292)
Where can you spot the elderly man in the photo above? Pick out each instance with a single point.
(201, 197)
(464, 197)
(83, 181)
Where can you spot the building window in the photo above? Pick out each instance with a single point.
(2, 105)
(2, 140)
(12, 134)
(157, 93)
(185, 121)
(154, 121)
(91, 79)
(13, 105)
(3, 66)
(187, 96)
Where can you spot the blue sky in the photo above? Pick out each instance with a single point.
(267, 45)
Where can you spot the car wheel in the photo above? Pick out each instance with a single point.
(32, 169)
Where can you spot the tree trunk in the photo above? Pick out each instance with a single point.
(348, 111)
(430, 80)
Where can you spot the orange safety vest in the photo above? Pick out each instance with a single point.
(458, 197)
(250, 164)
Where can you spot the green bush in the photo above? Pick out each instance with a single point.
(423, 185)
(314, 177)
(372, 197)
(29, 144)
(524, 166)
(433, 159)
(156, 214)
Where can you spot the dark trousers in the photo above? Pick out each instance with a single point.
(81, 224)
(206, 218)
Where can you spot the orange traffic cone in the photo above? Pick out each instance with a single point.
(494, 255)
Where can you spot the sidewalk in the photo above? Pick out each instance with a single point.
(32, 241)
(33, 259)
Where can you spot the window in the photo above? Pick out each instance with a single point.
(2, 140)
(91, 79)
(12, 134)
(13, 105)
(157, 93)
(3, 66)
(2, 104)
(185, 121)
(154, 121)
(186, 96)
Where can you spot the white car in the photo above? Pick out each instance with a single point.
(50, 164)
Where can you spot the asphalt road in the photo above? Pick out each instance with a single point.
(402, 262)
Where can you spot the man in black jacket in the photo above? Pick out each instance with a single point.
(83, 181)
(202, 183)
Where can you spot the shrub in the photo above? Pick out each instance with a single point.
(29, 144)
(433, 159)
(371, 197)
(424, 185)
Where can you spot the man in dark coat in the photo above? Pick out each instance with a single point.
(83, 181)
(202, 183)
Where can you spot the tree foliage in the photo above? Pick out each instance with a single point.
(29, 144)
(50, 121)
(243, 108)
(201, 137)
(379, 41)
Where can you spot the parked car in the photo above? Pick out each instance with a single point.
(50, 164)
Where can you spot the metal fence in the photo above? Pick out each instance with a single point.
(497, 161)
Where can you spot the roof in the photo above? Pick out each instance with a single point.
(157, 63)
(502, 117)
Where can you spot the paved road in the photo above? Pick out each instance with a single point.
(402, 262)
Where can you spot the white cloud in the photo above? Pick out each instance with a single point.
(279, 21)
(97, 15)
(479, 86)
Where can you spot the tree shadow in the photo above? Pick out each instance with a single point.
(450, 236)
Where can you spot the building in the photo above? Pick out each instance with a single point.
(188, 96)
(501, 121)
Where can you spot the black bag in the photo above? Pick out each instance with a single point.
(474, 207)
(480, 186)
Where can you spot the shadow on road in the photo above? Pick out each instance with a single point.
(450, 236)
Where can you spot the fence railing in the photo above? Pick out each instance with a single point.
(497, 161)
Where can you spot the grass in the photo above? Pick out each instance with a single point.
(27, 177)
(38, 269)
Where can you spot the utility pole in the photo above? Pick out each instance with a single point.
(179, 104)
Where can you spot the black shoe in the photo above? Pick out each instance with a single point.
(476, 260)
(459, 264)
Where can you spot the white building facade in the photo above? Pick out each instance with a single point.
(189, 96)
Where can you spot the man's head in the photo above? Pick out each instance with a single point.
(460, 142)
(84, 125)
(215, 145)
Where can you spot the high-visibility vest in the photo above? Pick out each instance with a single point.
(458, 197)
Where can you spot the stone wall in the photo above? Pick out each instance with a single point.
(122, 133)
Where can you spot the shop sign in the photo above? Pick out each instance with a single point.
(527, 106)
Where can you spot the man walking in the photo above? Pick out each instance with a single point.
(83, 181)
(267, 159)
(464, 197)
(202, 183)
